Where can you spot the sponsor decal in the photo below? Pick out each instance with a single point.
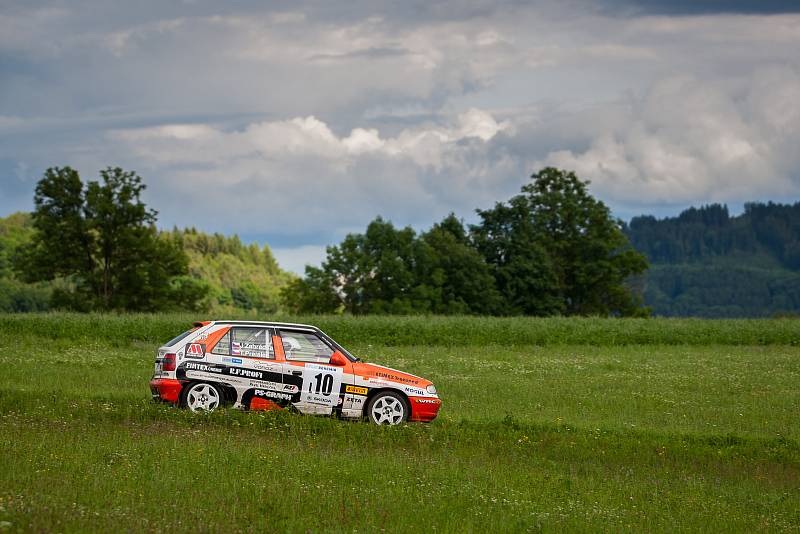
(239, 372)
(262, 384)
(414, 391)
(249, 350)
(358, 390)
(427, 401)
(255, 346)
(246, 373)
(195, 350)
(395, 377)
(268, 394)
(206, 368)
(236, 360)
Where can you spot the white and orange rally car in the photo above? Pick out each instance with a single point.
(264, 366)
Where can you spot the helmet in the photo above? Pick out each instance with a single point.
(290, 344)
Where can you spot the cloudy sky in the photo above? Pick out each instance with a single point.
(294, 123)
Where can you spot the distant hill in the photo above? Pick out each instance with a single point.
(706, 263)
(241, 277)
(238, 277)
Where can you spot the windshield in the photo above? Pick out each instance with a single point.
(177, 339)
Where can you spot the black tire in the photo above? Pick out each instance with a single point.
(388, 408)
(202, 397)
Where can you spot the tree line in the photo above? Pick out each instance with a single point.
(553, 249)
(769, 230)
(708, 263)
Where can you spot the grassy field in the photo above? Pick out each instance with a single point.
(420, 330)
(551, 425)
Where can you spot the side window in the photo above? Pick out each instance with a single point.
(305, 347)
(252, 343)
(223, 346)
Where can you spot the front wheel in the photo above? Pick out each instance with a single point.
(201, 397)
(387, 408)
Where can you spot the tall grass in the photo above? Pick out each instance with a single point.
(636, 438)
(429, 330)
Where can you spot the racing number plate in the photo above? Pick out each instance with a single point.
(321, 385)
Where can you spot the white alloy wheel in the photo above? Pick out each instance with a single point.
(202, 398)
(387, 409)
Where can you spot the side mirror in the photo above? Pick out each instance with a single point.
(338, 359)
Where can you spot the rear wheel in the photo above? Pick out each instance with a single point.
(201, 397)
(387, 408)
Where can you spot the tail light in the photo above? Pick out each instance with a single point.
(168, 362)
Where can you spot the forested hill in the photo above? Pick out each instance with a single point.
(706, 263)
(240, 277)
(232, 276)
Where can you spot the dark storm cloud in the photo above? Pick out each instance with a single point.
(700, 7)
(297, 122)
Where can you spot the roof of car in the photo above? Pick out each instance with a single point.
(260, 323)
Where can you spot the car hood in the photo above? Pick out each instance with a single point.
(380, 373)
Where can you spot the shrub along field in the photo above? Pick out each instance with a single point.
(547, 424)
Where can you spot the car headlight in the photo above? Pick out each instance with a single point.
(431, 389)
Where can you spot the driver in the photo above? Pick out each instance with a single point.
(290, 346)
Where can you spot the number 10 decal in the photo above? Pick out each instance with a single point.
(324, 384)
(321, 384)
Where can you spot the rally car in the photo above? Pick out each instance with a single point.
(266, 366)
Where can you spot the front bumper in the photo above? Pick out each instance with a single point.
(166, 389)
(424, 409)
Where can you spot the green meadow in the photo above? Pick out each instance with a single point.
(547, 425)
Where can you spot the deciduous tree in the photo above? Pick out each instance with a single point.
(102, 238)
(558, 249)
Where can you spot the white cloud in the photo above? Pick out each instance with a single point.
(305, 136)
(295, 176)
(683, 141)
(689, 141)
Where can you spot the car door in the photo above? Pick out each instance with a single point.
(308, 364)
(245, 360)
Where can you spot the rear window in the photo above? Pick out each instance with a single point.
(177, 339)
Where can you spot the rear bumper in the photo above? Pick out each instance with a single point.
(424, 409)
(166, 389)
